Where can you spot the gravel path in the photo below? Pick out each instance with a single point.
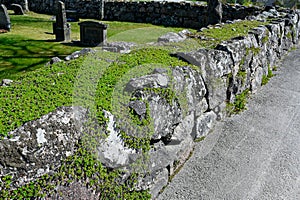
(254, 155)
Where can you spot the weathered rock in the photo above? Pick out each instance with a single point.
(120, 47)
(6, 82)
(156, 181)
(139, 107)
(185, 33)
(215, 65)
(111, 151)
(74, 190)
(39, 146)
(190, 84)
(160, 157)
(166, 115)
(182, 143)
(17, 9)
(54, 60)
(77, 54)
(148, 81)
(205, 123)
(172, 37)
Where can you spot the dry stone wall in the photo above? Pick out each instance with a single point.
(226, 71)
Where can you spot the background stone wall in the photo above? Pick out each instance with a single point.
(184, 14)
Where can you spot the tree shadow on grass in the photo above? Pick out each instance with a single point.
(19, 54)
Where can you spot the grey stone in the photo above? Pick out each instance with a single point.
(148, 81)
(190, 84)
(171, 37)
(159, 71)
(155, 181)
(205, 123)
(182, 142)
(120, 47)
(93, 33)
(215, 65)
(160, 157)
(6, 82)
(139, 107)
(54, 60)
(39, 146)
(185, 33)
(4, 18)
(159, 182)
(77, 54)
(111, 151)
(18, 10)
(166, 115)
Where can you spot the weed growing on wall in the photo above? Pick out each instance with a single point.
(239, 103)
(266, 78)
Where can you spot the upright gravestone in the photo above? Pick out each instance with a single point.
(4, 18)
(92, 33)
(214, 10)
(62, 28)
(17, 9)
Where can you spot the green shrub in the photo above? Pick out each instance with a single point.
(239, 103)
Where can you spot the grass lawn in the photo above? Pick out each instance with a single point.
(31, 44)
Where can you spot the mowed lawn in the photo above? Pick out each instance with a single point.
(30, 43)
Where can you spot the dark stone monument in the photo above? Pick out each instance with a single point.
(4, 18)
(93, 33)
(62, 28)
(214, 10)
(17, 9)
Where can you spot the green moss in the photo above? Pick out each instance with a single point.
(167, 93)
(265, 39)
(254, 50)
(227, 32)
(199, 139)
(289, 35)
(242, 75)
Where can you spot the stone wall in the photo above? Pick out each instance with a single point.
(184, 14)
(225, 72)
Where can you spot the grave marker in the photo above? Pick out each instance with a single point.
(93, 33)
(17, 9)
(4, 18)
(62, 28)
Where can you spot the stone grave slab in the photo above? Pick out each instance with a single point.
(93, 33)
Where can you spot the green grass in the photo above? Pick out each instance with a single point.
(227, 32)
(31, 44)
